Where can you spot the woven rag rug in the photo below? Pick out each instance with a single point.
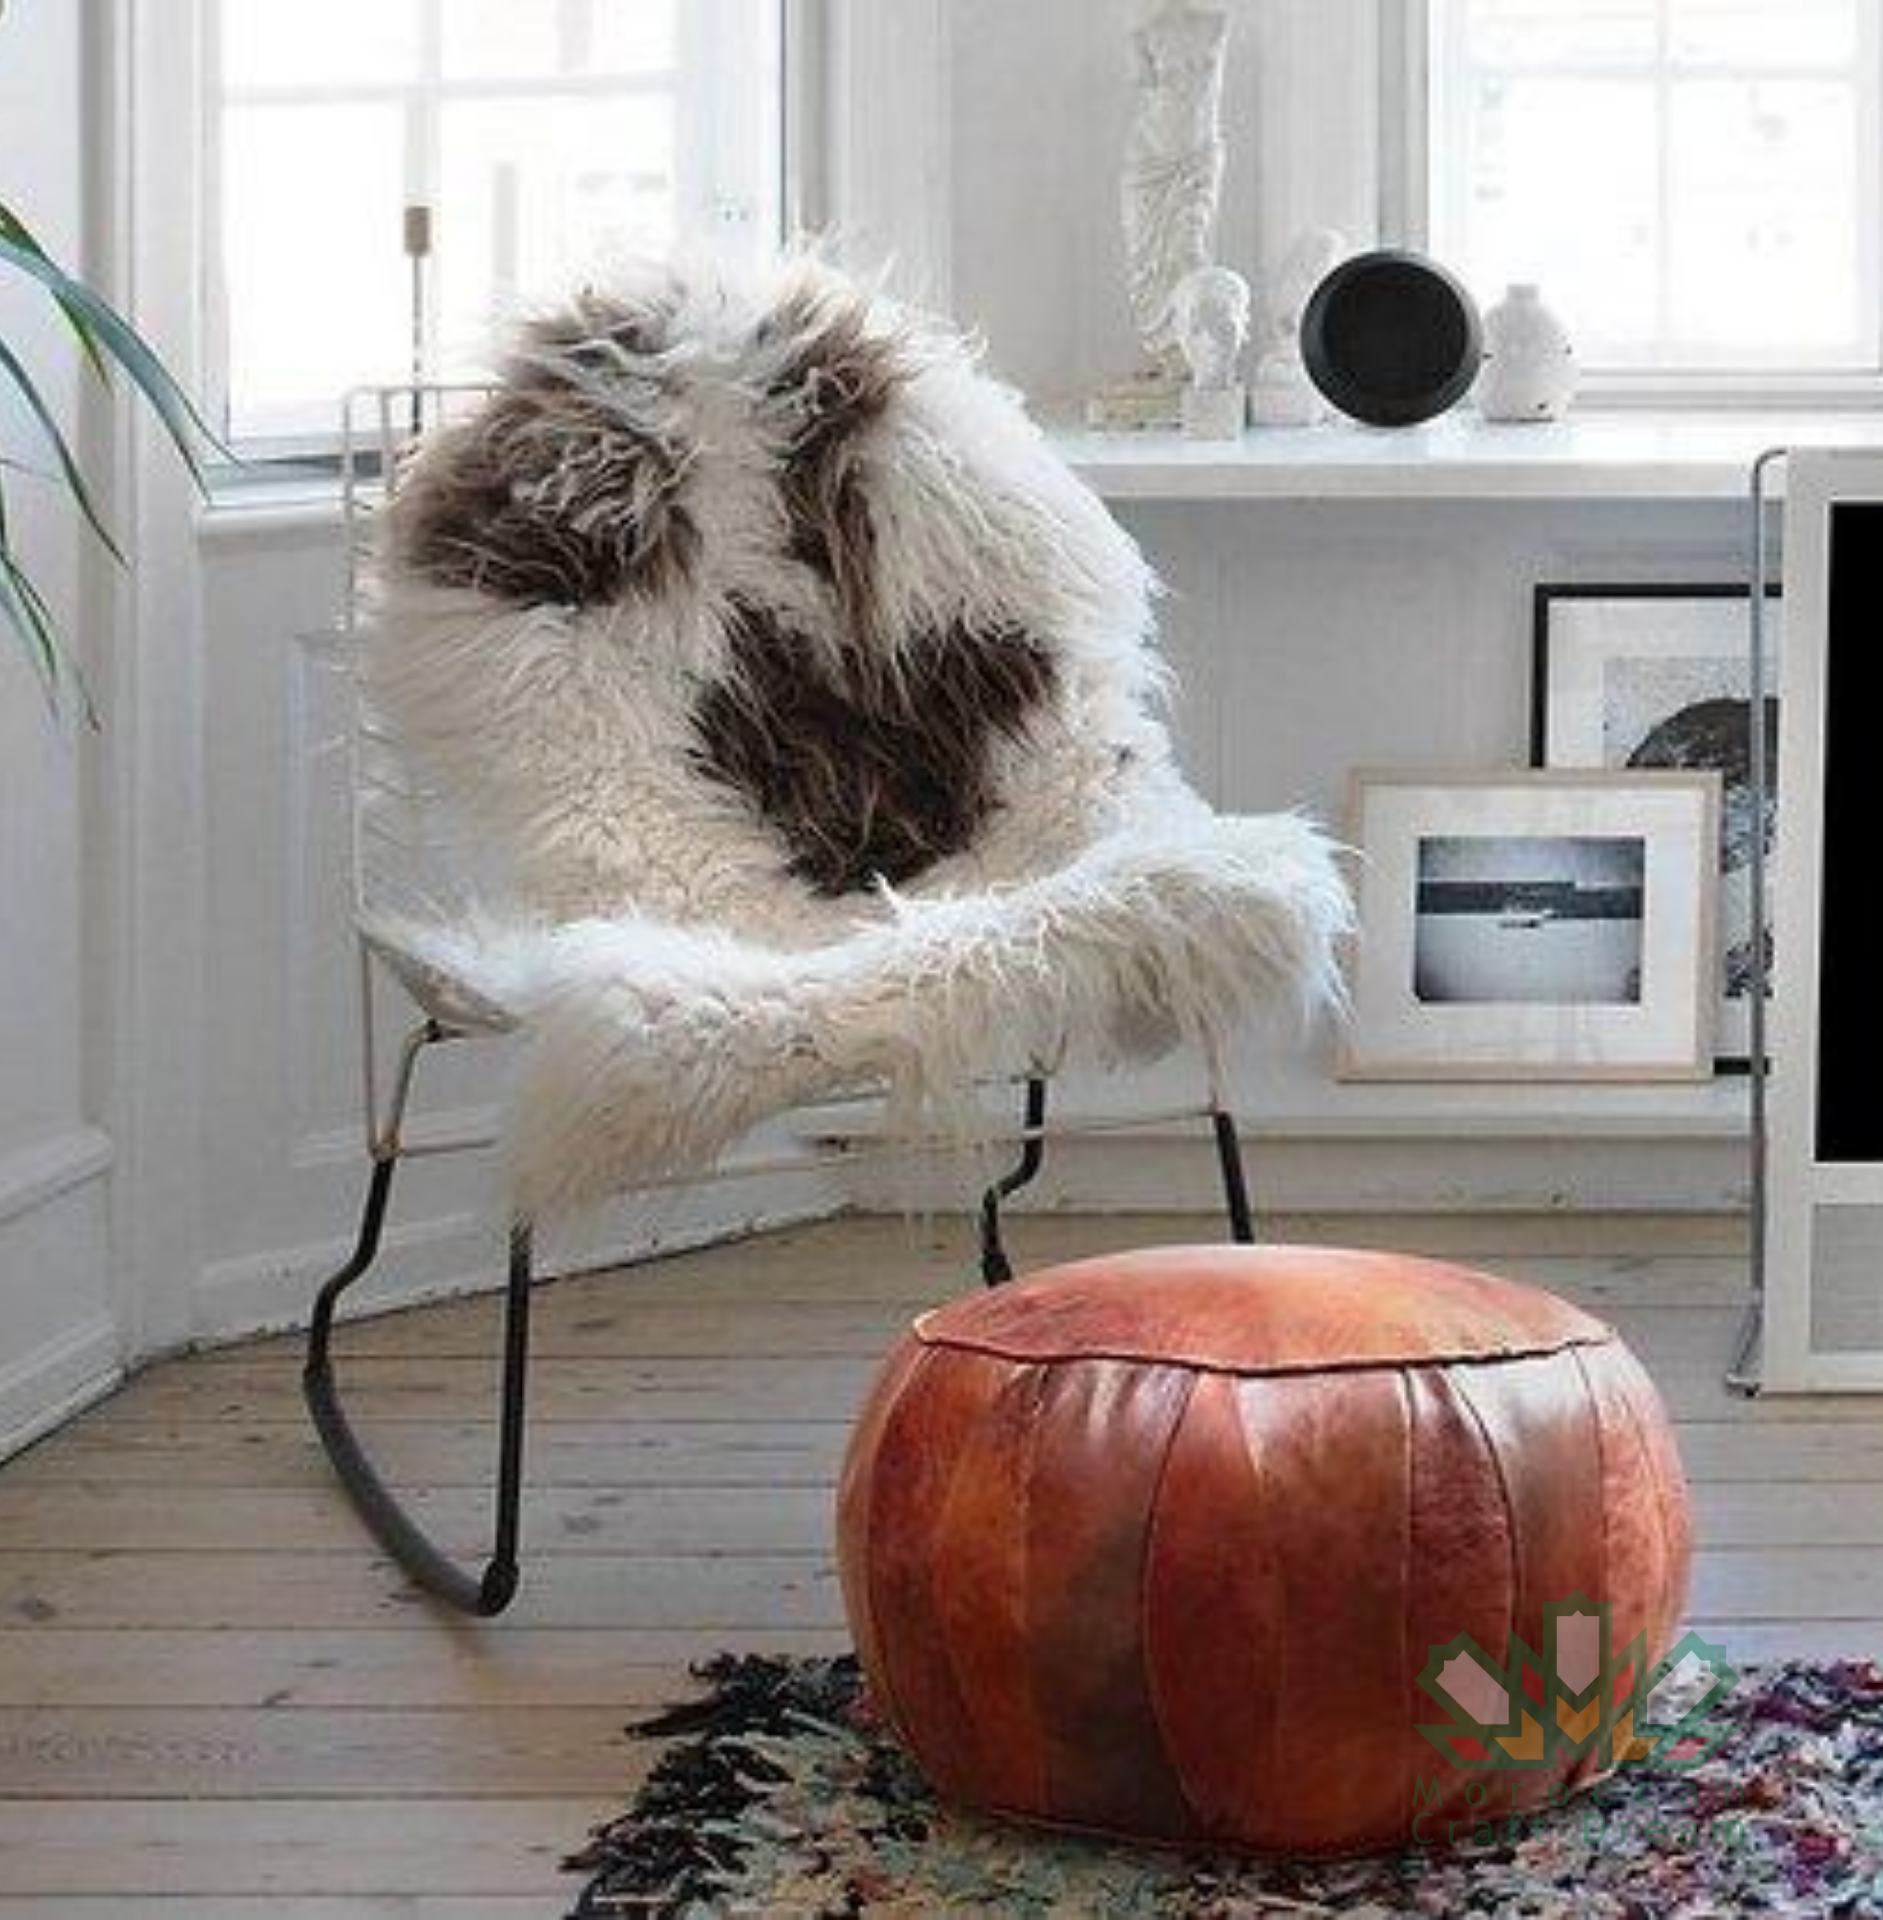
(783, 1795)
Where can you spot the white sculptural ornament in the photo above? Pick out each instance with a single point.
(1173, 165)
(1282, 394)
(1169, 197)
(1210, 312)
(1530, 369)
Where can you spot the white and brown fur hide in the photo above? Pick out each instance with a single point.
(799, 706)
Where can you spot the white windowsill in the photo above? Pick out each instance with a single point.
(1620, 455)
(1627, 454)
(269, 511)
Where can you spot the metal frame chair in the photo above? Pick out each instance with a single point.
(379, 425)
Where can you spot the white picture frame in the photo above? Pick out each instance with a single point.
(1649, 674)
(1547, 927)
(1823, 1217)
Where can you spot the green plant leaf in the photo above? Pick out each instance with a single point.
(13, 228)
(22, 381)
(126, 348)
(27, 614)
(17, 607)
(23, 608)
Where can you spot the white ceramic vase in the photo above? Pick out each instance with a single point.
(1530, 371)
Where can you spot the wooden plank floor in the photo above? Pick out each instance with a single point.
(217, 1700)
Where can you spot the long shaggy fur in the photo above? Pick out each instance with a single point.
(782, 715)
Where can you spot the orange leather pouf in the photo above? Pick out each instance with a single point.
(1159, 1545)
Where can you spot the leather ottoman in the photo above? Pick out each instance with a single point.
(1159, 1545)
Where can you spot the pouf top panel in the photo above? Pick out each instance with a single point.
(1261, 1310)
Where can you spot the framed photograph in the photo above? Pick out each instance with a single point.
(1535, 926)
(1659, 677)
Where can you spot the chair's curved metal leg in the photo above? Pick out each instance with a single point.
(484, 1593)
(996, 1268)
(1235, 1181)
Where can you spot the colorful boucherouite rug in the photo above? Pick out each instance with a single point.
(782, 1795)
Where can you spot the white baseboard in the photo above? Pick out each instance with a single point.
(1132, 1174)
(45, 1388)
(59, 1343)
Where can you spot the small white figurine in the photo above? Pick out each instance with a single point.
(1210, 312)
(1530, 372)
(1282, 394)
(1173, 172)
(1169, 194)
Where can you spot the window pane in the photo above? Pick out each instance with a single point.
(1588, 233)
(316, 287)
(1759, 33)
(630, 35)
(1533, 33)
(1695, 183)
(536, 197)
(266, 43)
(538, 39)
(550, 138)
(1763, 225)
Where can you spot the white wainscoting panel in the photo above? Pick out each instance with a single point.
(59, 1346)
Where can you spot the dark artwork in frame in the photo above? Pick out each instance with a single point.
(1659, 675)
(1849, 1118)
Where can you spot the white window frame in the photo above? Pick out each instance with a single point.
(709, 42)
(1407, 88)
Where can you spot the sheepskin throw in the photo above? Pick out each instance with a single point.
(793, 711)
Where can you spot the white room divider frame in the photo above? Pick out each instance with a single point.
(1819, 1225)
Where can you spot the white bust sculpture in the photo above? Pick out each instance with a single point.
(1210, 315)
(1281, 394)
(1173, 170)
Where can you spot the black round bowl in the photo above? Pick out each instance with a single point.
(1392, 339)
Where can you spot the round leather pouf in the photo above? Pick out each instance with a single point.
(1392, 339)
(1159, 1545)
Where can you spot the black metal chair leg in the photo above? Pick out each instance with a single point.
(484, 1593)
(996, 1268)
(1235, 1181)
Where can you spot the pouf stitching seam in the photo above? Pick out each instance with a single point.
(891, 1707)
(1265, 1370)
(1153, 1513)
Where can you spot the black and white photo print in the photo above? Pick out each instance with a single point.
(1530, 922)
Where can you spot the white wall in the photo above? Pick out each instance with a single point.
(57, 1340)
(1040, 102)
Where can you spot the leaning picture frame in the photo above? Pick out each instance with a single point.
(1533, 926)
(1657, 675)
